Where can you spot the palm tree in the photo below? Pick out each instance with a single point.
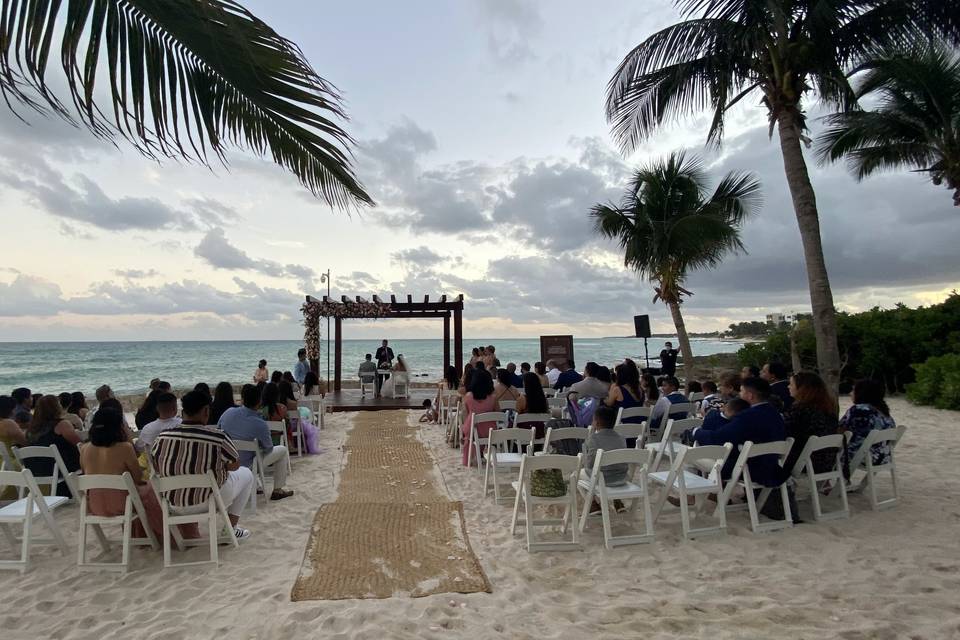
(916, 122)
(181, 78)
(667, 226)
(726, 50)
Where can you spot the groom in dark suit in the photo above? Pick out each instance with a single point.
(384, 359)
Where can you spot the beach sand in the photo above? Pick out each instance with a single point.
(892, 574)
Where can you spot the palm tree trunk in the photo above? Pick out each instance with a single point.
(683, 339)
(805, 208)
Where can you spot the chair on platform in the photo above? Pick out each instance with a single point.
(31, 504)
(133, 511)
(368, 381)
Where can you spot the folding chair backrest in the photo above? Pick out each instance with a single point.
(500, 439)
(716, 454)
(565, 433)
(277, 426)
(636, 458)
(566, 464)
(682, 407)
(695, 396)
(888, 437)
(817, 443)
(631, 430)
(557, 402)
(632, 412)
(105, 481)
(166, 484)
(679, 426)
(59, 472)
(507, 404)
(249, 445)
(490, 416)
(7, 462)
(523, 418)
(779, 447)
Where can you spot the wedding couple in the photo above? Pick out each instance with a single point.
(389, 374)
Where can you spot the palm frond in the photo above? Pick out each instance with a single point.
(187, 78)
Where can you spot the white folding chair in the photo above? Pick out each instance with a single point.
(680, 408)
(259, 472)
(863, 460)
(740, 477)
(507, 404)
(205, 512)
(528, 418)
(133, 510)
(6, 459)
(632, 412)
(635, 431)
(504, 451)
(59, 472)
(401, 386)
(317, 406)
(368, 381)
(32, 503)
(635, 490)
(453, 421)
(474, 437)
(833, 478)
(569, 467)
(564, 433)
(448, 400)
(687, 483)
(669, 444)
(296, 430)
(695, 396)
(279, 427)
(558, 404)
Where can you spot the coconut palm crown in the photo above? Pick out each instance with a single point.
(668, 224)
(915, 122)
(180, 78)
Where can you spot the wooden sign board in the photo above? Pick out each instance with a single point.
(556, 348)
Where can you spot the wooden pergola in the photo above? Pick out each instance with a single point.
(359, 308)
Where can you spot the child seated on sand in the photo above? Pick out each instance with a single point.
(429, 413)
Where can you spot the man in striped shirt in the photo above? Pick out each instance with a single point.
(195, 448)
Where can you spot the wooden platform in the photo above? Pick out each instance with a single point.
(351, 400)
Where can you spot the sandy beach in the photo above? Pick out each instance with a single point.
(892, 574)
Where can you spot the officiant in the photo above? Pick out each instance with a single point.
(384, 359)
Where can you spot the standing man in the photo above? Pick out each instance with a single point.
(302, 367)
(775, 373)
(668, 360)
(384, 358)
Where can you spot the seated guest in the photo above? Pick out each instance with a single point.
(78, 405)
(47, 427)
(466, 379)
(147, 412)
(163, 385)
(541, 370)
(270, 406)
(590, 386)
(515, 379)
(533, 400)
(110, 453)
(719, 417)
(166, 419)
(553, 373)
(368, 369)
(289, 377)
(568, 377)
(450, 382)
(671, 395)
(312, 386)
(710, 394)
(869, 412)
(114, 404)
(72, 418)
(626, 394)
(603, 375)
(776, 374)
(813, 413)
(524, 370)
(195, 448)
(246, 423)
(203, 388)
(650, 391)
(222, 400)
(276, 377)
(749, 371)
(478, 400)
(760, 423)
(503, 388)
(11, 435)
(693, 387)
(24, 400)
(474, 356)
(604, 437)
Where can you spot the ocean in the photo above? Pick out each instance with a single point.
(128, 367)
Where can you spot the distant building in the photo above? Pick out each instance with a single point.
(791, 318)
(776, 319)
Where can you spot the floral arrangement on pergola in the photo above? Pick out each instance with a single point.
(314, 309)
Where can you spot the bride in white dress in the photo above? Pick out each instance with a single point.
(399, 373)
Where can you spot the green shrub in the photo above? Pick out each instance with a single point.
(938, 382)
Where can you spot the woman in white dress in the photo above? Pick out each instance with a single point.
(397, 374)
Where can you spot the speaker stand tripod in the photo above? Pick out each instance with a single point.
(646, 353)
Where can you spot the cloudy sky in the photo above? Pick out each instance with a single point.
(482, 138)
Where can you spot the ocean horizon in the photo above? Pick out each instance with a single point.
(128, 366)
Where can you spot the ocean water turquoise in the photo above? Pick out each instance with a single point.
(53, 367)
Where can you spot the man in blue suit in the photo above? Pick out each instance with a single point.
(760, 423)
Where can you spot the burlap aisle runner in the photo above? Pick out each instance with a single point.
(392, 531)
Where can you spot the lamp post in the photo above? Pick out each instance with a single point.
(325, 277)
